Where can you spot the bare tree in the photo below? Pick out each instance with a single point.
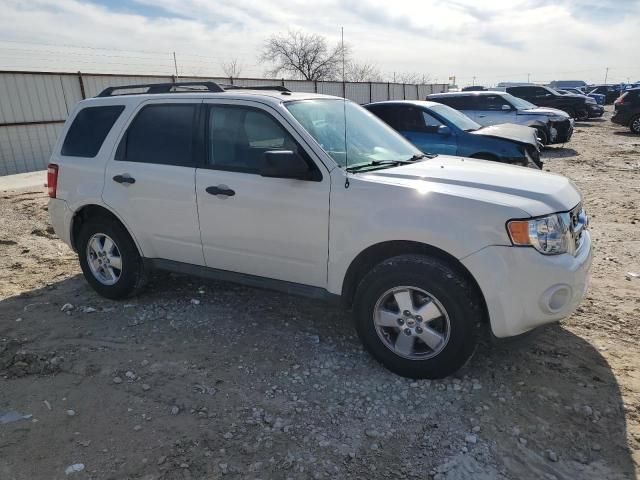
(362, 72)
(412, 77)
(302, 55)
(232, 68)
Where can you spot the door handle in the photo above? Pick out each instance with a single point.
(220, 190)
(124, 179)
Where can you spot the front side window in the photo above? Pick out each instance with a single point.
(457, 118)
(431, 123)
(238, 137)
(365, 139)
(89, 129)
(161, 134)
(490, 102)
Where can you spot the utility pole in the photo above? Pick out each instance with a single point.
(606, 75)
(474, 81)
(175, 64)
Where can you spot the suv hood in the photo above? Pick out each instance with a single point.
(510, 131)
(543, 111)
(533, 191)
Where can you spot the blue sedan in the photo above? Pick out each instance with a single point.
(437, 128)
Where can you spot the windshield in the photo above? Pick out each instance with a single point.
(459, 119)
(517, 102)
(368, 138)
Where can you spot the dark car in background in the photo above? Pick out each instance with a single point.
(576, 106)
(627, 110)
(496, 107)
(610, 92)
(437, 128)
(594, 110)
(599, 98)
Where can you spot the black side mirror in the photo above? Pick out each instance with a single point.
(284, 164)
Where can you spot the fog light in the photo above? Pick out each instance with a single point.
(556, 298)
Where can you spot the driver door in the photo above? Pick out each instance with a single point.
(493, 110)
(269, 227)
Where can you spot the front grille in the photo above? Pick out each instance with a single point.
(578, 223)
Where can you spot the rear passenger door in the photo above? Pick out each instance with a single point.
(150, 180)
(276, 228)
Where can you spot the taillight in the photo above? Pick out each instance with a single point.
(620, 99)
(52, 179)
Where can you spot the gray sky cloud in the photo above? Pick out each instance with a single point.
(493, 41)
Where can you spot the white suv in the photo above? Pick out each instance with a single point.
(268, 188)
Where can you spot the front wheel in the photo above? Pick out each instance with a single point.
(582, 115)
(542, 136)
(418, 316)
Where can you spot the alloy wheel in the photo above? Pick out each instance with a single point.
(104, 259)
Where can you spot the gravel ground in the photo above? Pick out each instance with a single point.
(196, 379)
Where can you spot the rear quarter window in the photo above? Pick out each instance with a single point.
(89, 129)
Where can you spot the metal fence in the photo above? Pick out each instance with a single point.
(34, 105)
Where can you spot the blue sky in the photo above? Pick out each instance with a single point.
(493, 41)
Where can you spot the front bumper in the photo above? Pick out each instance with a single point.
(561, 131)
(524, 289)
(595, 110)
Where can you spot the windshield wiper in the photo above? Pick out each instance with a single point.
(378, 163)
(420, 156)
(391, 163)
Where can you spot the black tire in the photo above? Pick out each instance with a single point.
(132, 275)
(542, 135)
(582, 115)
(444, 283)
(634, 124)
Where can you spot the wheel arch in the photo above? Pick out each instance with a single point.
(485, 156)
(89, 211)
(375, 254)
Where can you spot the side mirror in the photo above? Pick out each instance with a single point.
(284, 164)
(506, 107)
(444, 130)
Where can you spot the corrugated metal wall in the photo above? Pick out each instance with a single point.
(34, 105)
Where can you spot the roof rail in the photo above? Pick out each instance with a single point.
(277, 88)
(163, 88)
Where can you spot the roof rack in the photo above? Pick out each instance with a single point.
(152, 88)
(182, 87)
(277, 88)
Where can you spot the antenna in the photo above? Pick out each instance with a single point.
(344, 112)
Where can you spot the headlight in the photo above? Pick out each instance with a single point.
(549, 235)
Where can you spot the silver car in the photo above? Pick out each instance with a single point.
(493, 107)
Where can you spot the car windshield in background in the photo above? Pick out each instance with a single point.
(368, 138)
(517, 102)
(459, 119)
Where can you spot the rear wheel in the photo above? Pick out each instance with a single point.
(109, 258)
(418, 316)
(634, 124)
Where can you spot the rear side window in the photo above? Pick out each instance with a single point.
(162, 134)
(89, 129)
(464, 102)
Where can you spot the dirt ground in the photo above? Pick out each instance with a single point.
(196, 379)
